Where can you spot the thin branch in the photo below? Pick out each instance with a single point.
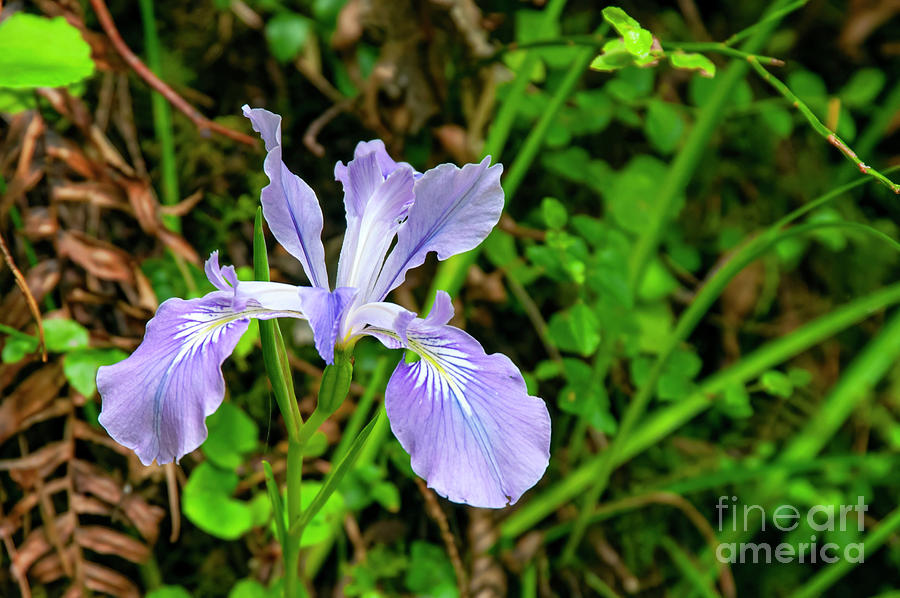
(433, 508)
(200, 121)
(829, 135)
(774, 15)
(719, 48)
(29, 298)
(316, 126)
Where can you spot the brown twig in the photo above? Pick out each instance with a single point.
(316, 126)
(433, 508)
(200, 121)
(29, 298)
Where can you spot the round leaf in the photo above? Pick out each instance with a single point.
(40, 52)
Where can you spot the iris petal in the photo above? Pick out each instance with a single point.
(466, 419)
(289, 205)
(454, 210)
(325, 311)
(156, 401)
(376, 205)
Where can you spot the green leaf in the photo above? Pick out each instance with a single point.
(663, 126)
(327, 515)
(777, 119)
(634, 192)
(637, 41)
(168, 592)
(698, 62)
(584, 398)
(614, 56)
(232, 433)
(65, 335)
(250, 588)
(208, 504)
(735, 402)
(286, 33)
(575, 330)
(17, 347)
(430, 573)
(554, 212)
(80, 367)
(862, 88)
(40, 52)
(777, 384)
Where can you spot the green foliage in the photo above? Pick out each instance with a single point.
(80, 367)
(286, 33)
(208, 504)
(40, 52)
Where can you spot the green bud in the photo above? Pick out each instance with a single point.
(335, 383)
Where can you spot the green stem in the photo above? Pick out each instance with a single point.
(363, 406)
(832, 573)
(452, 273)
(826, 133)
(665, 421)
(162, 116)
(682, 168)
(291, 547)
(771, 18)
(506, 115)
(719, 48)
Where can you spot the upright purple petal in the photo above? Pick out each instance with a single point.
(325, 311)
(376, 204)
(386, 164)
(466, 419)
(289, 205)
(454, 210)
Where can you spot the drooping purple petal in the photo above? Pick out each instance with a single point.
(466, 419)
(156, 401)
(375, 205)
(325, 311)
(454, 210)
(289, 205)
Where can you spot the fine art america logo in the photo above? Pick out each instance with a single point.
(735, 517)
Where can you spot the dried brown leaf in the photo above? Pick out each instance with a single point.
(103, 260)
(29, 398)
(107, 541)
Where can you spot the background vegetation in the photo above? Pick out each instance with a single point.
(692, 270)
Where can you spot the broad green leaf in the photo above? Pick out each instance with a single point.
(575, 330)
(777, 119)
(663, 126)
(250, 588)
(329, 515)
(776, 383)
(168, 592)
(208, 503)
(553, 212)
(40, 52)
(735, 402)
(862, 88)
(17, 347)
(583, 397)
(286, 33)
(80, 367)
(430, 573)
(657, 283)
(698, 62)
(65, 335)
(231, 434)
(634, 192)
(614, 56)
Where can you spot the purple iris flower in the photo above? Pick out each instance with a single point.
(465, 417)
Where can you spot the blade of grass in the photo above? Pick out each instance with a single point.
(828, 576)
(666, 420)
